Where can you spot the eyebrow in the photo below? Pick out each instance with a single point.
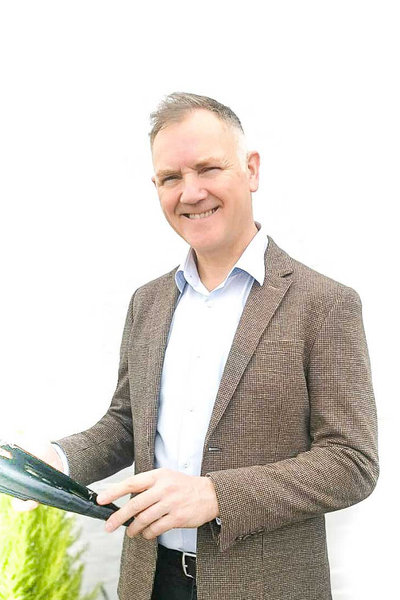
(206, 161)
(165, 173)
(203, 163)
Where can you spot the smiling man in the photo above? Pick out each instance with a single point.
(204, 179)
(244, 394)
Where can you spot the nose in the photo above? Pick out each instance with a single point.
(192, 189)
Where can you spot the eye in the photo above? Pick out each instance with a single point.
(207, 169)
(168, 179)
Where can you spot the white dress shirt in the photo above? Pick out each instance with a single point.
(200, 338)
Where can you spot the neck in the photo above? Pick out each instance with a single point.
(214, 268)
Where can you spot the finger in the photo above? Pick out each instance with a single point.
(158, 527)
(132, 485)
(145, 518)
(133, 507)
(23, 505)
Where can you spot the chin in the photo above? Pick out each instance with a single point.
(204, 243)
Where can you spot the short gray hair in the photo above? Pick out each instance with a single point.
(174, 107)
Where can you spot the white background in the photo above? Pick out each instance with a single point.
(316, 85)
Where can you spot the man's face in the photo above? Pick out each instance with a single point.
(204, 182)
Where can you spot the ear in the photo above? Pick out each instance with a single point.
(253, 170)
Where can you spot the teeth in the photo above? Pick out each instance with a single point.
(202, 215)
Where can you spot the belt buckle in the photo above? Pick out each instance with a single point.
(184, 565)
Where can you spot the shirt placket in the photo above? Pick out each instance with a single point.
(188, 459)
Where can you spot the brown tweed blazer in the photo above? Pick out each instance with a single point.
(292, 436)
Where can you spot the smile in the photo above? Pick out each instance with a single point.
(201, 215)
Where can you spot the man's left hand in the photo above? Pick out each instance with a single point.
(164, 499)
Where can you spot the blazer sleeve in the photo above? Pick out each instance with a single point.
(341, 466)
(107, 447)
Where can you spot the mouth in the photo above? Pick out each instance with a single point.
(202, 215)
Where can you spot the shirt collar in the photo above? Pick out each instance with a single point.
(252, 261)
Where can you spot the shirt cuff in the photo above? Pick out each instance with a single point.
(218, 521)
(62, 456)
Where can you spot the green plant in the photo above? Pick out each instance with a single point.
(36, 558)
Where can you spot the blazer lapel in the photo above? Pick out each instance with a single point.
(257, 313)
(159, 324)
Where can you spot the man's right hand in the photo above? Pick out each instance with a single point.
(43, 450)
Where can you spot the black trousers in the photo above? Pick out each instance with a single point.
(170, 582)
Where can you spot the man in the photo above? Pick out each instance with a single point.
(244, 393)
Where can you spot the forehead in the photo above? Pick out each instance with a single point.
(201, 134)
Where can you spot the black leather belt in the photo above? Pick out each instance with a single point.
(185, 561)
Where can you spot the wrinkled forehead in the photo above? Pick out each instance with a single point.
(201, 134)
